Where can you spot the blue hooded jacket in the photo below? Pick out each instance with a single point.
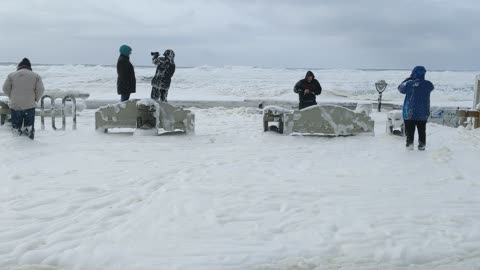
(416, 105)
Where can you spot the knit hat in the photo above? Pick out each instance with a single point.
(25, 63)
(125, 50)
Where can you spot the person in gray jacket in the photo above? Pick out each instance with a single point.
(24, 88)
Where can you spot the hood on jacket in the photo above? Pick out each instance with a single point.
(125, 50)
(170, 55)
(25, 63)
(419, 72)
(309, 73)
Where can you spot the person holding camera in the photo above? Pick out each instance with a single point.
(163, 76)
(416, 106)
(126, 82)
(307, 90)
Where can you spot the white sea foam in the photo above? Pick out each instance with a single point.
(237, 83)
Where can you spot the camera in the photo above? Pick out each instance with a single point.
(154, 53)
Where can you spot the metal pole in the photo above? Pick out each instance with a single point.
(379, 102)
(53, 115)
(74, 111)
(42, 111)
(381, 86)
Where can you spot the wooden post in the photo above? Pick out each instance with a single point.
(475, 116)
(476, 99)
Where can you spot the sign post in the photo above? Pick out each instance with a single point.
(381, 86)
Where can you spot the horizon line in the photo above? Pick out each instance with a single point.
(293, 68)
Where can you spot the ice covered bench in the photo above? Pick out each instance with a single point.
(441, 116)
(4, 110)
(364, 107)
(395, 124)
(322, 120)
(445, 117)
(469, 118)
(145, 113)
(274, 114)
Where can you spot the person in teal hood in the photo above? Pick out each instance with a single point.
(416, 106)
(126, 82)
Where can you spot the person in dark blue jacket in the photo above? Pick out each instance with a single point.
(416, 106)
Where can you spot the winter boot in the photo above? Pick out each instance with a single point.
(29, 132)
(409, 146)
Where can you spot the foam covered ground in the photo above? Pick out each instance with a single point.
(234, 197)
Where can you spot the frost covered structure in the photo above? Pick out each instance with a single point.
(395, 124)
(57, 97)
(364, 107)
(4, 110)
(55, 107)
(322, 120)
(469, 118)
(274, 114)
(139, 113)
(445, 117)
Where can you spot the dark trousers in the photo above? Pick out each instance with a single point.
(23, 122)
(410, 131)
(124, 97)
(159, 94)
(304, 105)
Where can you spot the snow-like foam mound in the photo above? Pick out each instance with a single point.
(237, 82)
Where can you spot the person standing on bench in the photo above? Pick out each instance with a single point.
(126, 82)
(24, 88)
(307, 90)
(416, 106)
(163, 76)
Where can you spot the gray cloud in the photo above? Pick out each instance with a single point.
(340, 34)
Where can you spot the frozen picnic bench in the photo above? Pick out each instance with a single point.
(4, 110)
(145, 114)
(395, 125)
(320, 120)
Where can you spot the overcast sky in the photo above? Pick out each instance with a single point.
(270, 33)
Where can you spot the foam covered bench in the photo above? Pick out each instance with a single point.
(322, 120)
(4, 110)
(137, 113)
(395, 124)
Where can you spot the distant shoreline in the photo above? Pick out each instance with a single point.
(229, 66)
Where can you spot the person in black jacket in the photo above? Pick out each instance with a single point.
(163, 76)
(126, 82)
(307, 90)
